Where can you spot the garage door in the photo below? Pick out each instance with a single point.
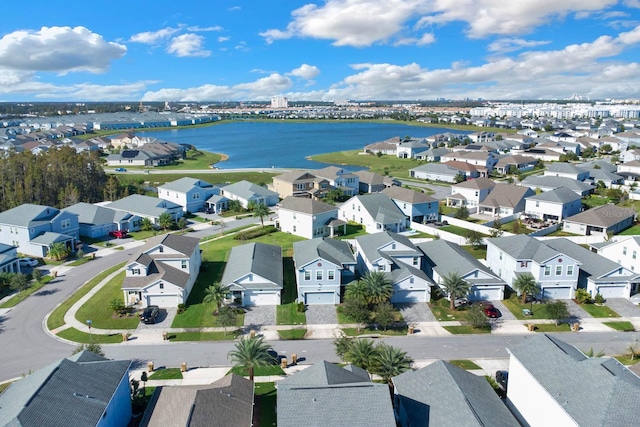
(255, 298)
(401, 296)
(557, 293)
(485, 294)
(163, 300)
(613, 291)
(319, 298)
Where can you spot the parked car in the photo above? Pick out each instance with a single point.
(490, 310)
(28, 262)
(120, 169)
(118, 234)
(150, 314)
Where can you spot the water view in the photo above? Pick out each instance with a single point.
(287, 145)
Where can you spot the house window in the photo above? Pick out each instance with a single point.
(558, 270)
(294, 215)
(196, 195)
(393, 246)
(624, 250)
(135, 271)
(183, 263)
(307, 275)
(537, 204)
(161, 285)
(416, 260)
(331, 275)
(404, 206)
(294, 228)
(411, 280)
(634, 254)
(65, 223)
(569, 270)
(360, 220)
(381, 267)
(523, 264)
(318, 274)
(301, 186)
(547, 270)
(500, 255)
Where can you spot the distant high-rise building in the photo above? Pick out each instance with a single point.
(279, 102)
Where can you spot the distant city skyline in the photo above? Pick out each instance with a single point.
(329, 50)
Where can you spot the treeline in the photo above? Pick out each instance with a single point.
(58, 177)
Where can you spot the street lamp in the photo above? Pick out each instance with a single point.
(89, 324)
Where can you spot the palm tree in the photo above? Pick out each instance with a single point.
(361, 353)
(216, 293)
(456, 287)
(58, 251)
(250, 353)
(390, 361)
(526, 285)
(260, 211)
(379, 287)
(165, 221)
(146, 224)
(357, 290)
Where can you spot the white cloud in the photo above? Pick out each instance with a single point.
(306, 72)
(188, 45)
(60, 49)
(197, 29)
(632, 3)
(427, 38)
(152, 37)
(234, 8)
(513, 44)
(93, 92)
(223, 39)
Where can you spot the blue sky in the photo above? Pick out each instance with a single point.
(242, 50)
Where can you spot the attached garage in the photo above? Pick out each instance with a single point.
(489, 293)
(260, 298)
(312, 298)
(408, 296)
(613, 291)
(557, 292)
(163, 300)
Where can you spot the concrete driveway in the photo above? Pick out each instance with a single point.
(321, 314)
(163, 321)
(623, 307)
(416, 313)
(260, 315)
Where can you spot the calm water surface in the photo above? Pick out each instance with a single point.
(286, 145)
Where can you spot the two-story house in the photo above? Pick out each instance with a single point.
(417, 206)
(547, 183)
(308, 218)
(34, 228)
(372, 182)
(555, 272)
(162, 272)
(470, 193)
(376, 212)
(322, 267)
(399, 259)
(98, 221)
(190, 193)
(448, 172)
(554, 205)
(567, 170)
(505, 199)
(9, 259)
(625, 250)
(299, 184)
(246, 192)
(340, 178)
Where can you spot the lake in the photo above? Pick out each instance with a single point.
(287, 145)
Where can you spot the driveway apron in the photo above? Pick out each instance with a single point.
(260, 315)
(321, 314)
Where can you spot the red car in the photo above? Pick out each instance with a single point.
(118, 234)
(490, 311)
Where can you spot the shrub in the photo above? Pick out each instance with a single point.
(476, 317)
(599, 299)
(300, 307)
(181, 308)
(582, 296)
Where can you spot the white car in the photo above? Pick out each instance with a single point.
(28, 262)
(635, 299)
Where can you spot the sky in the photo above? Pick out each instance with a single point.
(333, 50)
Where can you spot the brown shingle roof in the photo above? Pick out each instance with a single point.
(602, 216)
(407, 195)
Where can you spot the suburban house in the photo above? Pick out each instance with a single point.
(322, 267)
(484, 161)
(149, 154)
(400, 259)
(417, 206)
(83, 390)
(333, 396)
(376, 211)
(441, 394)
(555, 272)
(340, 178)
(216, 204)
(408, 149)
(630, 155)
(388, 146)
(470, 193)
(254, 273)
(190, 193)
(567, 170)
(516, 162)
(432, 154)
(554, 383)
(548, 183)
(299, 184)
(624, 251)
(608, 178)
(34, 228)
(601, 220)
(9, 259)
(371, 182)
(554, 205)
(505, 199)
(98, 221)
(598, 275)
(246, 192)
(309, 218)
(442, 258)
(441, 172)
(630, 170)
(162, 272)
(227, 402)
(147, 207)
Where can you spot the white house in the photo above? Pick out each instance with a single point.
(505, 199)
(163, 272)
(555, 272)
(567, 170)
(340, 178)
(443, 172)
(190, 193)
(417, 206)
(246, 192)
(624, 251)
(553, 205)
(307, 218)
(470, 193)
(254, 273)
(9, 259)
(376, 212)
(600, 220)
(400, 260)
(322, 267)
(547, 183)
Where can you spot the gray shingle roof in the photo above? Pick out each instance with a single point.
(444, 395)
(477, 184)
(28, 215)
(602, 216)
(557, 182)
(523, 247)
(306, 205)
(562, 167)
(295, 175)
(145, 205)
(257, 258)
(370, 178)
(441, 168)
(323, 373)
(93, 214)
(185, 184)
(247, 190)
(595, 392)
(559, 195)
(407, 195)
(369, 243)
(380, 207)
(48, 238)
(335, 251)
(506, 195)
(67, 393)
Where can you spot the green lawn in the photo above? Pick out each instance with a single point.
(259, 371)
(196, 159)
(166, 374)
(599, 311)
(75, 335)
(620, 326)
(353, 230)
(464, 364)
(466, 329)
(292, 334)
(287, 314)
(594, 201)
(385, 164)
(508, 226)
(477, 253)
(97, 308)
(231, 335)
(56, 319)
(391, 331)
(550, 327)
(33, 288)
(458, 230)
(5, 386)
(442, 312)
(539, 311)
(561, 233)
(627, 359)
(80, 261)
(631, 231)
(266, 399)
